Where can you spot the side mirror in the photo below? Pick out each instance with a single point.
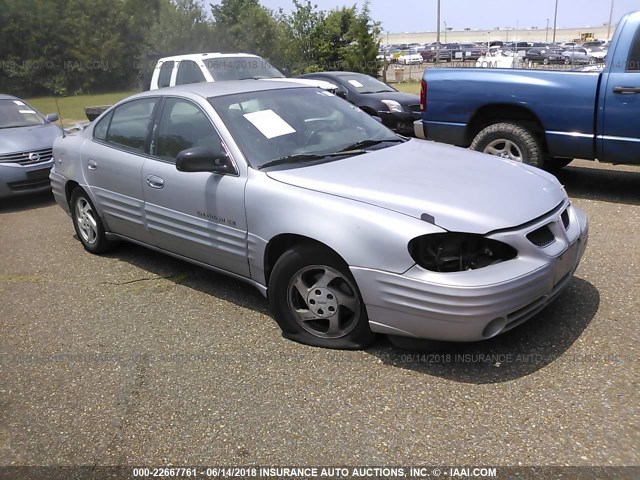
(200, 159)
(341, 93)
(52, 117)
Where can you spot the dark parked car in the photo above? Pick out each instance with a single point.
(26, 139)
(454, 51)
(545, 56)
(395, 109)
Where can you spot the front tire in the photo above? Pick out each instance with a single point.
(510, 141)
(316, 301)
(87, 223)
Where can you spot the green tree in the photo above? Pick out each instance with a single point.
(302, 34)
(246, 26)
(349, 41)
(71, 46)
(182, 27)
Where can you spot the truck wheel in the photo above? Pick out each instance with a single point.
(316, 301)
(511, 141)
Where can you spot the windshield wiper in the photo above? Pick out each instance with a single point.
(370, 143)
(302, 157)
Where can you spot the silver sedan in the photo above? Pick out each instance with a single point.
(347, 228)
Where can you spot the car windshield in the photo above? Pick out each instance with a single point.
(16, 113)
(366, 84)
(295, 123)
(241, 68)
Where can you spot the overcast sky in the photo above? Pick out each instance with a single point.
(420, 15)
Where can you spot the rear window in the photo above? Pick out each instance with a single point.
(241, 68)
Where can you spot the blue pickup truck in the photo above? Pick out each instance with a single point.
(542, 118)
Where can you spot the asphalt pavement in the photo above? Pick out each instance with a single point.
(137, 358)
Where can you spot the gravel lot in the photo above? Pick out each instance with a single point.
(137, 358)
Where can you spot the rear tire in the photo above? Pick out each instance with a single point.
(510, 141)
(88, 224)
(316, 301)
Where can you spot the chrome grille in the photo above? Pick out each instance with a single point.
(29, 157)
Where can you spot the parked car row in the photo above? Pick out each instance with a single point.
(531, 53)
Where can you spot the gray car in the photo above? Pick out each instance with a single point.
(26, 140)
(347, 228)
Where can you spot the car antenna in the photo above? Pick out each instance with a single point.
(55, 98)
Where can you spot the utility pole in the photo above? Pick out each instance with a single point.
(546, 37)
(438, 36)
(555, 22)
(610, 18)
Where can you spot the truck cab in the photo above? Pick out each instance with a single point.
(216, 67)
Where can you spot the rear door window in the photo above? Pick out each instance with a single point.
(130, 122)
(164, 78)
(189, 72)
(183, 125)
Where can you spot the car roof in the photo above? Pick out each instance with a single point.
(4, 96)
(228, 87)
(203, 56)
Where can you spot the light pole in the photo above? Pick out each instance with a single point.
(438, 36)
(610, 17)
(546, 37)
(555, 22)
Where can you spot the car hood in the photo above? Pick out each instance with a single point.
(20, 139)
(400, 97)
(463, 191)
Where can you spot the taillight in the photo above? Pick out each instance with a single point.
(423, 95)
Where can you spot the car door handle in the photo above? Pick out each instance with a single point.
(92, 165)
(626, 90)
(155, 182)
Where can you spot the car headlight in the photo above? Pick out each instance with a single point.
(457, 252)
(393, 106)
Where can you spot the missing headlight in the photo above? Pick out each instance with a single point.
(457, 252)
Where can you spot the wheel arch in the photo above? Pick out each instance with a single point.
(69, 188)
(367, 109)
(279, 244)
(504, 112)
